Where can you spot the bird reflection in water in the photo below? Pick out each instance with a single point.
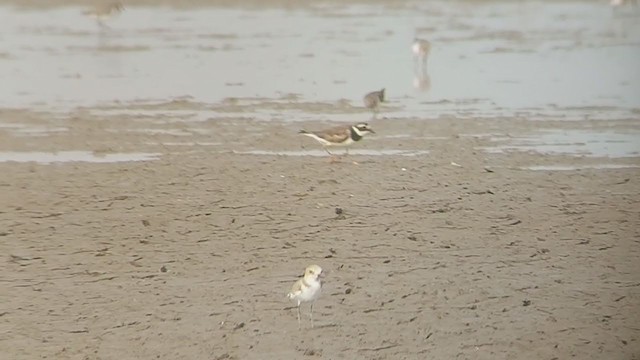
(422, 81)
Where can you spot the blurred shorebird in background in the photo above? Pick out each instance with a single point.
(623, 2)
(373, 99)
(421, 49)
(624, 7)
(104, 11)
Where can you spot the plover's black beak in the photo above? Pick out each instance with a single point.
(371, 131)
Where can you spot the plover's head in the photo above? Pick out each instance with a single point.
(381, 95)
(313, 272)
(362, 129)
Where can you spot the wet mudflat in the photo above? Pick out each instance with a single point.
(156, 200)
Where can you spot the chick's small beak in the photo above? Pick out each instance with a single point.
(371, 131)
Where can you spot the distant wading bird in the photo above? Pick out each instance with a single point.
(307, 289)
(104, 11)
(373, 99)
(421, 49)
(339, 136)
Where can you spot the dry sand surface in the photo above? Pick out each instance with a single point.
(190, 256)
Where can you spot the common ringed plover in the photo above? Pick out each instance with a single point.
(104, 11)
(307, 289)
(344, 135)
(373, 99)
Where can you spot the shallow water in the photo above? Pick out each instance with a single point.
(562, 60)
(587, 143)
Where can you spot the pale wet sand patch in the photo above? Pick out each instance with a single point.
(591, 143)
(31, 129)
(484, 135)
(225, 47)
(410, 136)
(559, 167)
(172, 132)
(226, 36)
(284, 105)
(108, 48)
(180, 132)
(159, 117)
(73, 156)
(185, 102)
(55, 31)
(39, 131)
(322, 153)
(287, 102)
(184, 144)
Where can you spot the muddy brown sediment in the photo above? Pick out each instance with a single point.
(191, 256)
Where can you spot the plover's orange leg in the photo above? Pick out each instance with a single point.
(332, 157)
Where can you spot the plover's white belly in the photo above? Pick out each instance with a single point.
(310, 294)
(347, 142)
(325, 142)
